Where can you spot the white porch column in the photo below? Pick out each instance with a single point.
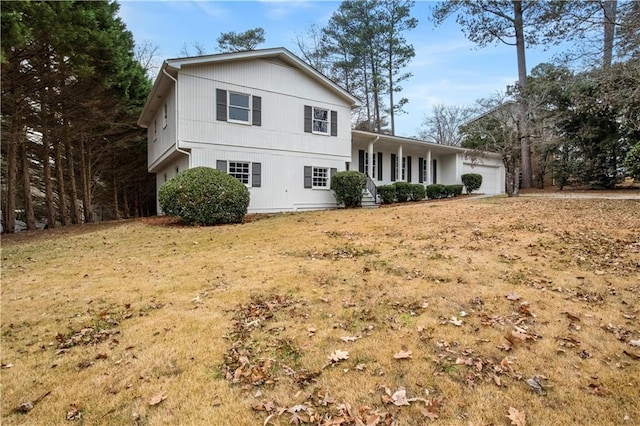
(429, 177)
(399, 177)
(371, 172)
(458, 168)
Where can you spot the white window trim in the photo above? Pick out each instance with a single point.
(375, 164)
(313, 118)
(229, 106)
(404, 168)
(248, 163)
(328, 177)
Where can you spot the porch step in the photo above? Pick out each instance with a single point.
(367, 201)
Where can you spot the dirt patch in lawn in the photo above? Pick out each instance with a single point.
(470, 311)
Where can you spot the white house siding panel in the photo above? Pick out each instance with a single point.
(284, 91)
(165, 136)
(169, 170)
(492, 175)
(282, 177)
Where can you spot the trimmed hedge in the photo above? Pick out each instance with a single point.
(403, 191)
(204, 196)
(471, 181)
(417, 192)
(435, 191)
(387, 193)
(453, 190)
(348, 186)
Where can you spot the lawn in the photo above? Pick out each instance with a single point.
(472, 312)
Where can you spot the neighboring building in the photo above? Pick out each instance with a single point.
(281, 128)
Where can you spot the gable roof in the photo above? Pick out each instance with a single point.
(170, 67)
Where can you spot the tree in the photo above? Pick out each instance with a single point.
(495, 130)
(237, 42)
(397, 51)
(443, 125)
(515, 23)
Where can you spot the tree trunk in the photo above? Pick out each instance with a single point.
(62, 192)
(12, 177)
(610, 8)
(46, 169)
(73, 195)
(525, 149)
(116, 209)
(391, 112)
(87, 208)
(29, 216)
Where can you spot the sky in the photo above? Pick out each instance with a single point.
(447, 68)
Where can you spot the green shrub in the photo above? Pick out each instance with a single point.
(204, 196)
(348, 186)
(417, 192)
(387, 193)
(403, 191)
(471, 181)
(435, 191)
(453, 190)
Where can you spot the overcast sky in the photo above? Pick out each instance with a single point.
(447, 68)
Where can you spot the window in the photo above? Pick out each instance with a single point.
(164, 115)
(320, 177)
(320, 120)
(425, 169)
(240, 171)
(366, 164)
(404, 167)
(239, 109)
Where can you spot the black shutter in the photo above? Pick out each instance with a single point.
(394, 165)
(256, 112)
(221, 105)
(307, 120)
(307, 177)
(409, 168)
(221, 165)
(332, 172)
(256, 175)
(334, 123)
(434, 171)
(420, 169)
(379, 166)
(361, 161)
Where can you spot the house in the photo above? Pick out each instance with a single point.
(280, 127)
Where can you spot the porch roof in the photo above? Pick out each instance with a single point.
(392, 142)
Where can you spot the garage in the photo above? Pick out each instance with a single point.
(492, 176)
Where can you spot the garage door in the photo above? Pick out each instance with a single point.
(491, 177)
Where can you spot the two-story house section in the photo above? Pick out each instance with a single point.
(263, 116)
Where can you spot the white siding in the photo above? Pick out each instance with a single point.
(169, 170)
(284, 91)
(165, 135)
(282, 178)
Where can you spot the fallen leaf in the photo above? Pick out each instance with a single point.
(455, 321)
(634, 342)
(403, 354)
(338, 356)
(517, 417)
(571, 316)
(74, 412)
(631, 354)
(157, 399)
(350, 338)
(513, 296)
(536, 385)
(399, 397)
(360, 367)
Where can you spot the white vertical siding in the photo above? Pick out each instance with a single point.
(166, 135)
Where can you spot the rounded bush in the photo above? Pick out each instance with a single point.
(436, 190)
(417, 192)
(471, 181)
(453, 190)
(204, 196)
(403, 191)
(348, 186)
(387, 193)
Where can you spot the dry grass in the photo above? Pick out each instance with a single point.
(235, 324)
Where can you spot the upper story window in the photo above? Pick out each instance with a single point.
(320, 120)
(236, 107)
(165, 115)
(239, 109)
